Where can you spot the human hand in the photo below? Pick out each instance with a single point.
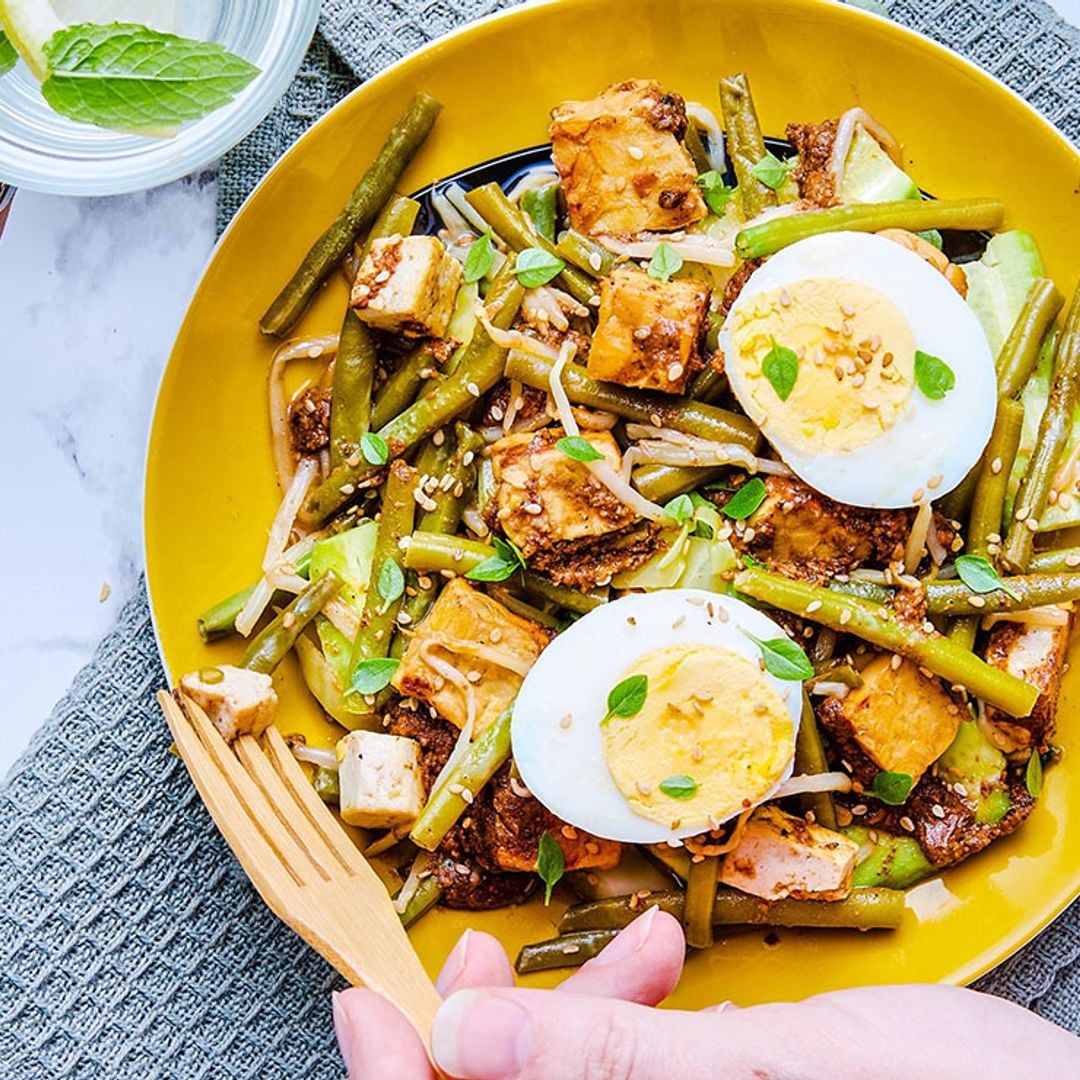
(599, 1024)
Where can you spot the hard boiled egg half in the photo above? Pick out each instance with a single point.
(864, 368)
(712, 734)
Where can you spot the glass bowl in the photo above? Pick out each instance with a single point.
(43, 151)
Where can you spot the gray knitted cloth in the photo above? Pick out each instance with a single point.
(131, 944)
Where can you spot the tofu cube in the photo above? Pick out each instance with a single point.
(624, 168)
(237, 701)
(543, 496)
(780, 855)
(468, 648)
(648, 332)
(901, 719)
(379, 778)
(407, 285)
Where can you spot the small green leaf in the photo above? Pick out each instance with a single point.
(510, 551)
(479, 258)
(933, 376)
(391, 582)
(665, 262)
(550, 863)
(752, 563)
(371, 676)
(680, 509)
(783, 658)
(931, 236)
(626, 698)
(498, 567)
(716, 193)
(542, 207)
(781, 367)
(579, 448)
(8, 56)
(746, 500)
(679, 786)
(374, 448)
(1033, 778)
(979, 575)
(892, 788)
(771, 171)
(534, 267)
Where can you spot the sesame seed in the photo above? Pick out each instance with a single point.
(362, 289)
(846, 310)
(960, 789)
(595, 261)
(467, 458)
(1032, 524)
(655, 420)
(838, 371)
(641, 332)
(347, 489)
(813, 606)
(1022, 513)
(934, 481)
(907, 824)
(288, 619)
(567, 722)
(674, 371)
(569, 832)
(1072, 560)
(404, 618)
(519, 789)
(846, 328)
(455, 789)
(896, 661)
(473, 389)
(722, 615)
(594, 300)
(643, 789)
(845, 616)
(439, 437)
(858, 380)
(887, 359)
(996, 466)
(474, 676)
(467, 796)
(496, 413)
(532, 508)
(937, 810)
(917, 495)
(381, 276)
(993, 538)
(592, 847)
(785, 298)
(977, 601)
(697, 754)
(353, 460)
(635, 152)
(678, 622)
(859, 809)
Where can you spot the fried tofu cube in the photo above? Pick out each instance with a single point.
(469, 648)
(648, 331)
(407, 285)
(780, 855)
(901, 719)
(624, 168)
(1035, 654)
(379, 778)
(543, 496)
(237, 701)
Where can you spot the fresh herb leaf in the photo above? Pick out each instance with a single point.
(391, 582)
(534, 267)
(679, 786)
(933, 376)
(783, 658)
(979, 575)
(131, 77)
(509, 550)
(626, 698)
(498, 567)
(746, 500)
(750, 562)
(703, 530)
(579, 448)
(1033, 777)
(550, 863)
(479, 258)
(665, 262)
(771, 171)
(374, 448)
(781, 368)
(371, 676)
(932, 236)
(8, 56)
(542, 207)
(680, 509)
(892, 788)
(715, 192)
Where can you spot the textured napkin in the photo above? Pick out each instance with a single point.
(131, 944)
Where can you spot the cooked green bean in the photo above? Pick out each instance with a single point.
(912, 214)
(1020, 353)
(569, 950)
(661, 483)
(521, 607)
(865, 590)
(957, 503)
(880, 626)
(1054, 431)
(696, 148)
(271, 645)
(585, 253)
(423, 900)
(745, 144)
(485, 755)
(327, 785)
(396, 218)
(368, 197)
(1032, 590)
(709, 385)
(1061, 561)
(511, 226)
(350, 401)
(864, 909)
(581, 603)
(672, 860)
(403, 385)
(700, 897)
(809, 761)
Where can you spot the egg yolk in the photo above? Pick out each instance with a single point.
(712, 739)
(856, 354)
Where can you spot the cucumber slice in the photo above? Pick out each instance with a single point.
(870, 175)
(999, 282)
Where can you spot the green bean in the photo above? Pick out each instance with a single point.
(403, 384)
(709, 385)
(1060, 561)
(745, 144)
(368, 197)
(511, 226)
(809, 761)
(696, 148)
(671, 860)
(521, 608)
(957, 503)
(691, 417)
(350, 401)
(485, 755)
(270, 646)
(327, 785)
(864, 909)
(914, 215)
(570, 950)
(1032, 590)
(396, 218)
(661, 483)
(581, 603)
(585, 253)
(1020, 353)
(880, 626)
(422, 901)
(865, 590)
(700, 896)
(220, 619)
(1054, 431)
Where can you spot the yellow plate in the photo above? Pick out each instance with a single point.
(210, 491)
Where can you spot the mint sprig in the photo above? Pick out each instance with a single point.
(8, 56)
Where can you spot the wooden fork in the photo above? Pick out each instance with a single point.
(301, 860)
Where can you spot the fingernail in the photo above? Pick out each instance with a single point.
(455, 964)
(482, 1035)
(631, 940)
(343, 1029)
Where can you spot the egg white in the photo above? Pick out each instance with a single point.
(930, 438)
(564, 767)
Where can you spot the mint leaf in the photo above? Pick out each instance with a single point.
(479, 258)
(892, 788)
(541, 206)
(771, 171)
(680, 509)
(579, 448)
(374, 448)
(550, 863)
(931, 236)
(933, 376)
(626, 698)
(715, 192)
(781, 368)
(501, 565)
(534, 267)
(1033, 778)
(746, 500)
(679, 786)
(979, 575)
(783, 658)
(391, 582)
(130, 77)
(8, 56)
(371, 676)
(665, 262)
